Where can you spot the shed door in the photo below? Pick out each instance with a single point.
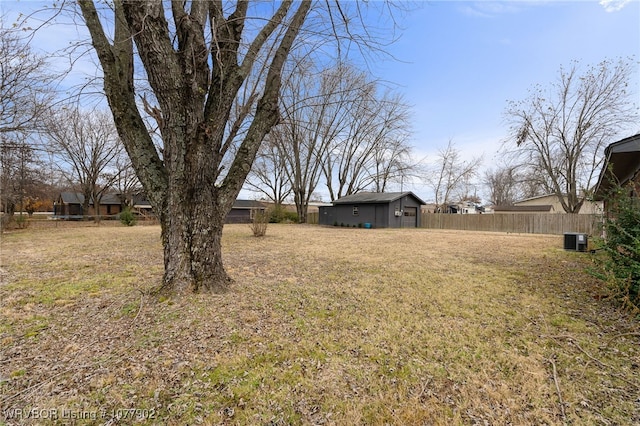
(410, 218)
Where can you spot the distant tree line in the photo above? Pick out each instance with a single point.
(340, 129)
(47, 145)
(340, 132)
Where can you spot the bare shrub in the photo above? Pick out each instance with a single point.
(260, 222)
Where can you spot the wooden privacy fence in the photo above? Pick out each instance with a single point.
(535, 223)
(312, 218)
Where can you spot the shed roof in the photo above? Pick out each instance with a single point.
(624, 159)
(376, 198)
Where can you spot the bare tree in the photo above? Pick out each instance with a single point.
(25, 96)
(25, 90)
(467, 190)
(372, 149)
(199, 58)
(86, 145)
(268, 175)
(125, 180)
(533, 182)
(292, 159)
(511, 180)
(393, 164)
(502, 184)
(561, 130)
(335, 124)
(315, 113)
(19, 170)
(448, 174)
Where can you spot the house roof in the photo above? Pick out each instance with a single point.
(623, 157)
(376, 198)
(515, 209)
(140, 199)
(247, 204)
(537, 197)
(78, 198)
(71, 197)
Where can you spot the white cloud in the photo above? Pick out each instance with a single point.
(613, 5)
(491, 8)
(471, 11)
(488, 9)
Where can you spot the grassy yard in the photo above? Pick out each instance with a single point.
(322, 326)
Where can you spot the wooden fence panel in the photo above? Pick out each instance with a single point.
(536, 223)
(312, 218)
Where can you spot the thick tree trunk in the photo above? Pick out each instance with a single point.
(195, 213)
(193, 253)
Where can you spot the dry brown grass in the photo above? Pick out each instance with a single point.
(322, 326)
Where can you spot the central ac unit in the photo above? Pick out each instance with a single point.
(575, 241)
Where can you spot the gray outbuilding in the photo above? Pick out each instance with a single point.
(374, 210)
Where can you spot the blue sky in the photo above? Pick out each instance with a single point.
(462, 61)
(459, 62)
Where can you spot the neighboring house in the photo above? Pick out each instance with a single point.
(451, 209)
(374, 209)
(621, 167)
(429, 208)
(311, 208)
(546, 204)
(465, 207)
(142, 206)
(243, 211)
(488, 209)
(68, 205)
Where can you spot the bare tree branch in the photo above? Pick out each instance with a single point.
(561, 130)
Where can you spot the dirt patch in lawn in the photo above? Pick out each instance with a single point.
(322, 326)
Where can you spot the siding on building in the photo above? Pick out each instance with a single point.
(376, 210)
